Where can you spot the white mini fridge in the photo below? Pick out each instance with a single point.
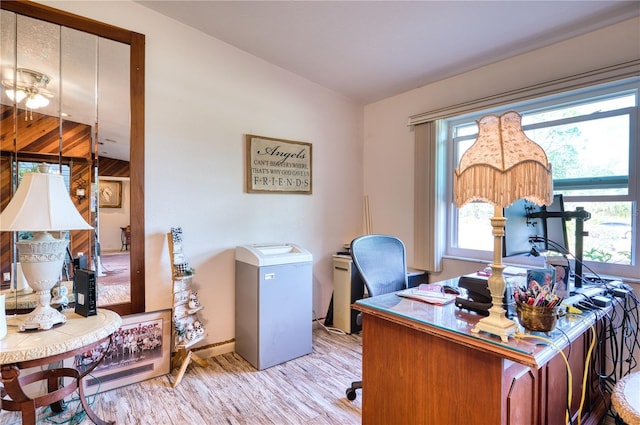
(273, 316)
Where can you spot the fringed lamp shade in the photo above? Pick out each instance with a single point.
(503, 165)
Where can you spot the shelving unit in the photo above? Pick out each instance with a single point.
(187, 326)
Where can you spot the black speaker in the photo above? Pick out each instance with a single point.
(85, 292)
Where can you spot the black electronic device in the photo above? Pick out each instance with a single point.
(80, 262)
(601, 301)
(478, 297)
(85, 292)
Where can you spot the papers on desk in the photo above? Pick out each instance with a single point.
(431, 294)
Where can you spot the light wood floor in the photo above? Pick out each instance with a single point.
(307, 390)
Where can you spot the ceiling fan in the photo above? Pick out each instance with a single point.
(29, 86)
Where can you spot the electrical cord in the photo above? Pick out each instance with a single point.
(329, 329)
(565, 252)
(568, 341)
(620, 333)
(586, 369)
(566, 362)
(586, 373)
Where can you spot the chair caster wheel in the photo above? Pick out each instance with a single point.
(351, 394)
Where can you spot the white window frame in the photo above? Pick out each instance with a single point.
(605, 269)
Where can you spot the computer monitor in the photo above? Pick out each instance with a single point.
(524, 234)
(519, 230)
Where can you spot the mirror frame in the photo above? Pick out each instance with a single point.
(136, 42)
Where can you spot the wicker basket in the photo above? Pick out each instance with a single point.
(536, 318)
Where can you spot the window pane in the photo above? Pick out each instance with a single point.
(462, 147)
(625, 100)
(474, 226)
(470, 129)
(594, 148)
(609, 231)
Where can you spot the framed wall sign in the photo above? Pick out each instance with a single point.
(277, 165)
(110, 194)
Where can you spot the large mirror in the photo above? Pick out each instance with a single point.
(73, 96)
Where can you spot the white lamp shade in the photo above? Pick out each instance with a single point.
(16, 95)
(42, 203)
(36, 101)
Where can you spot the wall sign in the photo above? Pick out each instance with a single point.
(278, 166)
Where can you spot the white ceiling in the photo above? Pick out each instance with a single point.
(369, 50)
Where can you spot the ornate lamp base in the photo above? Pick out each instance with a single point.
(43, 317)
(41, 258)
(496, 324)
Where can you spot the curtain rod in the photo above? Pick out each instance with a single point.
(598, 76)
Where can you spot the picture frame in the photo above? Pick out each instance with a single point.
(109, 193)
(538, 278)
(140, 350)
(278, 165)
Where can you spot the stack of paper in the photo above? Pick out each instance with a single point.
(428, 296)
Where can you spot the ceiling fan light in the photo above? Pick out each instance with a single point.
(36, 101)
(16, 95)
(42, 100)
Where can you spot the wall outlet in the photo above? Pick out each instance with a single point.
(6, 277)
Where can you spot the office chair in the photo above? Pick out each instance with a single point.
(382, 264)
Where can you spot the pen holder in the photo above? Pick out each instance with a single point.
(537, 318)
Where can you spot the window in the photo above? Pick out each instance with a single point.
(32, 167)
(591, 140)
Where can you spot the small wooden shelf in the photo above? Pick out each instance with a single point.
(191, 343)
(180, 315)
(185, 315)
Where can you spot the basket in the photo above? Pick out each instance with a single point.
(536, 318)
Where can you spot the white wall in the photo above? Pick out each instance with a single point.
(389, 141)
(202, 97)
(111, 220)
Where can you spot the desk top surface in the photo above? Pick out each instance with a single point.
(77, 332)
(448, 321)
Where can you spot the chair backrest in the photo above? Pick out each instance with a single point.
(382, 263)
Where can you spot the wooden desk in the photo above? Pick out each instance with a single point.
(22, 350)
(421, 364)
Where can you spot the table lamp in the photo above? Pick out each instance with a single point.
(41, 205)
(502, 166)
